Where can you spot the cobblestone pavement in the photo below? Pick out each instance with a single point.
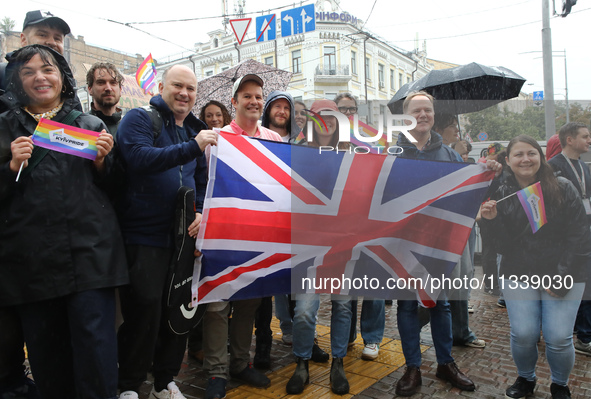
(492, 368)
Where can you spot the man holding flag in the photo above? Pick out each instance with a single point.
(428, 146)
(157, 166)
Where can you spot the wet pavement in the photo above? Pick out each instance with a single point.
(492, 368)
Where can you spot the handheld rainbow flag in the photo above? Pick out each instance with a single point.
(146, 74)
(532, 200)
(67, 139)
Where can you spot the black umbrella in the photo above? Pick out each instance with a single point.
(463, 89)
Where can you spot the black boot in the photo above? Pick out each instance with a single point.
(338, 379)
(318, 355)
(299, 379)
(262, 356)
(559, 391)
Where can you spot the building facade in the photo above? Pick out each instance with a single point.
(338, 56)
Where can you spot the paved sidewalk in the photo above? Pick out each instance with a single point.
(492, 368)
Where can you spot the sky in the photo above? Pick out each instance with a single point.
(496, 33)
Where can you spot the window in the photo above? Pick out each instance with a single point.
(209, 73)
(407, 79)
(296, 61)
(354, 62)
(367, 70)
(381, 76)
(330, 60)
(225, 68)
(399, 81)
(269, 61)
(392, 86)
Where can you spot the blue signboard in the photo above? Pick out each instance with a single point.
(298, 20)
(538, 95)
(266, 26)
(482, 136)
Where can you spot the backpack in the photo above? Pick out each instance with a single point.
(117, 182)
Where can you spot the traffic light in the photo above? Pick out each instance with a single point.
(566, 6)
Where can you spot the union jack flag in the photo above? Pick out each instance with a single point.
(276, 215)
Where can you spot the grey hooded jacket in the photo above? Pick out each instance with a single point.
(292, 127)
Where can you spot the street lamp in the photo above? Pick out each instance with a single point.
(560, 54)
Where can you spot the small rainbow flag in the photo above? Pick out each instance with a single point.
(67, 139)
(532, 200)
(378, 147)
(146, 74)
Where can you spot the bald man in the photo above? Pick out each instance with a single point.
(157, 165)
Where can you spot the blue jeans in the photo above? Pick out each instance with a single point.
(373, 320)
(529, 309)
(283, 314)
(410, 331)
(304, 325)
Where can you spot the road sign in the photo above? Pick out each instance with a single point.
(240, 26)
(298, 20)
(538, 95)
(266, 28)
(482, 136)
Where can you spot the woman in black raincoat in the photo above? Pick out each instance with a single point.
(61, 252)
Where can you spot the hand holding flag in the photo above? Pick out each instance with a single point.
(532, 200)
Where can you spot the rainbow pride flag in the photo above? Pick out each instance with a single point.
(67, 139)
(146, 74)
(378, 147)
(532, 200)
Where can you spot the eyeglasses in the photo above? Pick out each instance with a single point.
(351, 110)
(302, 113)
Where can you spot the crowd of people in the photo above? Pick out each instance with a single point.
(76, 246)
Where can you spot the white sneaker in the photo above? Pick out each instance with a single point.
(370, 352)
(172, 392)
(129, 395)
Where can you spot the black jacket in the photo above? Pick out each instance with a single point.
(112, 121)
(58, 232)
(562, 247)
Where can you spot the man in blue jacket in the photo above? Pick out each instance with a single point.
(156, 166)
(428, 146)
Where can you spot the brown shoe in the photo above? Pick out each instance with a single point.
(410, 382)
(452, 374)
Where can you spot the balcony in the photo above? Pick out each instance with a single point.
(332, 74)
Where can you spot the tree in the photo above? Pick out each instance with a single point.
(7, 25)
(502, 124)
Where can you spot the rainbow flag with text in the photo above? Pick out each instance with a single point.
(65, 138)
(532, 200)
(146, 74)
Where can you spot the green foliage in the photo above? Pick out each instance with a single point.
(502, 124)
(7, 25)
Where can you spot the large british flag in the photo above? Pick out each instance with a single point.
(286, 219)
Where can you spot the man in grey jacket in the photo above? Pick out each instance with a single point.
(279, 115)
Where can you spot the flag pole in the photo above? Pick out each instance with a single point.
(22, 163)
(504, 198)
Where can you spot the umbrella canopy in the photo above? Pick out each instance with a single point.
(463, 89)
(219, 87)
